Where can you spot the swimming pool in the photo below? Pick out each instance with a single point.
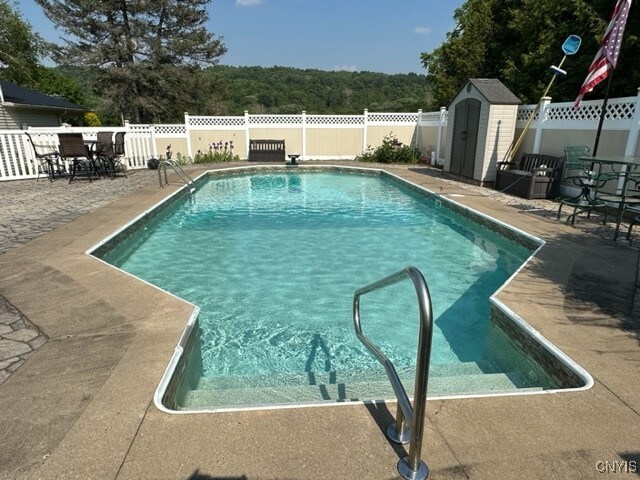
(272, 260)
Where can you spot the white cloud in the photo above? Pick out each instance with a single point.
(346, 68)
(248, 3)
(422, 30)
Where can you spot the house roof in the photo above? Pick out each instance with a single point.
(493, 90)
(23, 97)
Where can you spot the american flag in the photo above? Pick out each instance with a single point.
(607, 55)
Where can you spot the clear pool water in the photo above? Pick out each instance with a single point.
(273, 260)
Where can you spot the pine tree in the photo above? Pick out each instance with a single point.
(146, 55)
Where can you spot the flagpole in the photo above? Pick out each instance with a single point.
(603, 112)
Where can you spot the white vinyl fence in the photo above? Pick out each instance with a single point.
(560, 124)
(334, 137)
(17, 158)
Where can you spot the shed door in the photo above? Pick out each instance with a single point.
(465, 137)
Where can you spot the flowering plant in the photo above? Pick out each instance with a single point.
(217, 152)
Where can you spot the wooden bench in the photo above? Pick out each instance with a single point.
(266, 151)
(534, 176)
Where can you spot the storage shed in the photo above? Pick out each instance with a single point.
(482, 123)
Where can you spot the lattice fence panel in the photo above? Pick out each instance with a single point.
(355, 120)
(525, 112)
(275, 120)
(216, 122)
(392, 118)
(430, 117)
(171, 129)
(591, 111)
(138, 128)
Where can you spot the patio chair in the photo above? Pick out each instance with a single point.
(48, 159)
(581, 173)
(104, 152)
(626, 201)
(74, 151)
(635, 210)
(119, 153)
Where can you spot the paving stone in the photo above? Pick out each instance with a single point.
(5, 329)
(23, 335)
(6, 363)
(24, 357)
(6, 307)
(16, 365)
(9, 348)
(9, 318)
(19, 323)
(37, 342)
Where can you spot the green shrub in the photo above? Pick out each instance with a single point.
(180, 159)
(391, 151)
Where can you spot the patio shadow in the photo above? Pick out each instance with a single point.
(203, 476)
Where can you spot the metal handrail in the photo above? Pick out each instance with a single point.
(411, 467)
(184, 176)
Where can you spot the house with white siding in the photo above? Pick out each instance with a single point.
(21, 108)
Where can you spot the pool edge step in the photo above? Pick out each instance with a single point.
(340, 392)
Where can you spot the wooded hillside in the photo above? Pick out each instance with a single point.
(291, 90)
(285, 90)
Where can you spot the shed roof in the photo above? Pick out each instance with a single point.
(24, 97)
(494, 91)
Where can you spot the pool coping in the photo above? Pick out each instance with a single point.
(81, 406)
(519, 236)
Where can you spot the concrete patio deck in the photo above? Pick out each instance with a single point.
(80, 405)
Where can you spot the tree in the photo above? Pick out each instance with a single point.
(538, 29)
(517, 41)
(49, 81)
(20, 52)
(20, 48)
(463, 54)
(146, 55)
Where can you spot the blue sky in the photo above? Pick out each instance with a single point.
(373, 35)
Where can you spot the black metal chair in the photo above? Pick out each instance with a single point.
(74, 151)
(118, 154)
(633, 209)
(581, 173)
(624, 201)
(48, 159)
(104, 152)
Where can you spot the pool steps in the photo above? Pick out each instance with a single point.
(444, 380)
(314, 378)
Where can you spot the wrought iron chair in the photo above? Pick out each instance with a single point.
(119, 153)
(581, 173)
(626, 200)
(104, 152)
(48, 159)
(74, 151)
(634, 210)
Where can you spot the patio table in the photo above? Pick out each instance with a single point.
(629, 165)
